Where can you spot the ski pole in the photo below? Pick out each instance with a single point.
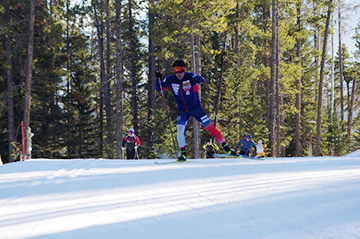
(137, 155)
(167, 113)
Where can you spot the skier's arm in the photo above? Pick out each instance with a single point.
(164, 85)
(159, 80)
(124, 142)
(238, 145)
(265, 153)
(157, 85)
(252, 148)
(251, 151)
(198, 79)
(137, 141)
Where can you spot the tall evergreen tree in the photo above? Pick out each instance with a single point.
(322, 69)
(10, 83)
(119, 80)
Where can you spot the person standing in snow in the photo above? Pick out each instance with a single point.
(260, 149)
(185, 91)
(132, 143)
(210, 149)
(247, 146)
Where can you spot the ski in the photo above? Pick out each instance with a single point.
(238, 156)
(172, 162)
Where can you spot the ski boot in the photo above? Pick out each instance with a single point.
(228, 150)
(183, 155)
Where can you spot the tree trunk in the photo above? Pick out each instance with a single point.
(196, 68)
(266, 59)
(278, 95)
(218, 94)
(322, 69)
(151, 76)
(350, 118)
(119, 81)
(107, 91)
(69, 146)
(68, 53)
(237, 62)
(10, 83)
(273, 79)
(133, 68)
(282, 151)
(341, 73)
(332, 83)
(198, 71)
(332, 88)
(102, 72)
(28, 71)
(298, 94)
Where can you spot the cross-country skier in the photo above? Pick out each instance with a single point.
(210, 149)
(247, 145)
(184, 88)
(132, 143)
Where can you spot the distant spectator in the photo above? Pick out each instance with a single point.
(132, 143)
(247, 146)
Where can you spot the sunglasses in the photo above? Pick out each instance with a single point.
(179, 72)
(179, 69)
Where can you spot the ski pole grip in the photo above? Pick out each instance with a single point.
(158, 74)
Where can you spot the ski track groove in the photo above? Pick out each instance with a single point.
(225, 188)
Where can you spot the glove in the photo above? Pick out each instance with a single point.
(123, 148)
(158, 74)
(136, 147)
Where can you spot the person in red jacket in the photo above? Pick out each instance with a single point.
(132, 143)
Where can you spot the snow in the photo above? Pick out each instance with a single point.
(312, 197)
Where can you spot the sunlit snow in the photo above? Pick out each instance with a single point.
(316, 197)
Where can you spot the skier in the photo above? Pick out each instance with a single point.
(210, 149)
(185, 91)
(260, 149)
(247, 145)
(132, 144)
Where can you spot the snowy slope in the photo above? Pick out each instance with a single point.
(217, 198)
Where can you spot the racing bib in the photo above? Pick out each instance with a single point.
(187, 87)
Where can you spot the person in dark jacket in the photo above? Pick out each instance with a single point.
(132, 143)
(185, 91)
(247, 146)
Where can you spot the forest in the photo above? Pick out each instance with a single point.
(80, 73)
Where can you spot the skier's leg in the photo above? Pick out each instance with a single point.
(202, 117)
(214, 132)
(181, 122)
(242, 152)
(217, 135)
(180, 135)
(132, 154)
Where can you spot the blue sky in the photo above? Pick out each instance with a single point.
(350, 19)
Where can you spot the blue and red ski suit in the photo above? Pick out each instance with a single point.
(185, 91)
(186, 95)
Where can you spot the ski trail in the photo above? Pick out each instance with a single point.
(139, 198)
